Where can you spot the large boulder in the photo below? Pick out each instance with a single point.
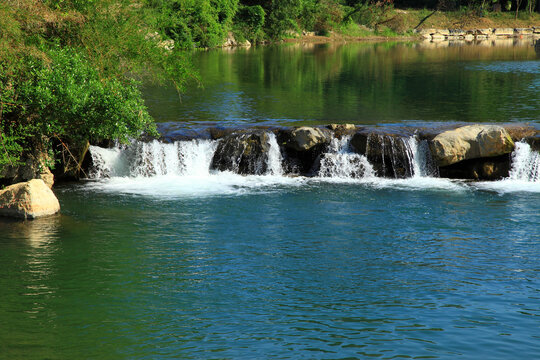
(305, 138)
(28, 200)
(32, 166)
(470, 142)
(242, 153)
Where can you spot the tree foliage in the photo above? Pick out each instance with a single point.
(67, 69)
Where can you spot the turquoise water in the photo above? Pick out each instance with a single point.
(157, 257)
(317, 270)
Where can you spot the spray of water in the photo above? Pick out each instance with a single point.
(341, 162)
(525, 163)
(274, 161)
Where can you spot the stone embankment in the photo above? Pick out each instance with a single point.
(477, 34)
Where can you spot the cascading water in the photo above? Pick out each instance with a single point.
(274, 161)
(525, 163)
(154, 158)
(194, 158)
(341, 162)
(420, 159)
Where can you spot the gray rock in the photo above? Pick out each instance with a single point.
(242, 153)
(523, 31)
(437, 37)
(503, 32)
(470, 142)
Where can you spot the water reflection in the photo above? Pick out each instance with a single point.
(36, 233)
(364, 83)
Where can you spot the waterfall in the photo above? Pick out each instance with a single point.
(525, 163)
(274, 161)
(341, 162)
(188, 158)
(400, 157)
(195, 156)
(181, 158)
(420, 159)
(107, 162)
(385, 156)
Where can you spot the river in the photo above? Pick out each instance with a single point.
(158, 257)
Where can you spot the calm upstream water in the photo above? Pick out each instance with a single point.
(362, 83)
(157, 257)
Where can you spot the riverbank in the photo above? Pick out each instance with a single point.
(412, 24)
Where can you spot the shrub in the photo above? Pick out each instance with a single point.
(249, 22)
(66, 99)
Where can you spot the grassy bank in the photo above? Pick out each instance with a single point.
(402, 23)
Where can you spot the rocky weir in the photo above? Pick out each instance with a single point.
(477, 152)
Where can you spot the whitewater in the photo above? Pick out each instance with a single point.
(183, 169)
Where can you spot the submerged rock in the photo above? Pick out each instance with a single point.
(28, 200)
(242, 153)
(470, 142)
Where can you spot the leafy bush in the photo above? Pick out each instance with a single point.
(282, 17)
(249, 21)
(66, 99)
(196, 23)
(321, 16)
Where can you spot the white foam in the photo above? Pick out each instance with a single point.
(174, 186)
(341, 163)
(414, 183)
(509, 186)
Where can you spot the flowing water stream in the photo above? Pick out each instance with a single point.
(185, 166)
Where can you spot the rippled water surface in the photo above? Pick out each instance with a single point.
(319, 270)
